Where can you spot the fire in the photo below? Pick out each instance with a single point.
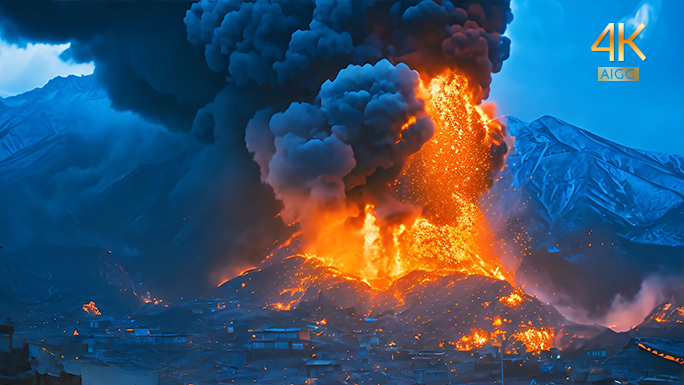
(91, 309)
(536, 340)
(514, 299)
(153, 300)
(666, 356)
(446, 177)
(477, 339)
(667, 313)
(290, 297)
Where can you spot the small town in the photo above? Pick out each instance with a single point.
(211, 341)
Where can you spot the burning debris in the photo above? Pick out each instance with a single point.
(514, 299)
(91, 309)
(536, 340)
(477, 339)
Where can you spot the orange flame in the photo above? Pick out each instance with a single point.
(536, 340)
(514, 299)
(477, 339)
(446, 176)
(91, 309)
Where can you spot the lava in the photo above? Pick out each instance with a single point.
(446, 177)
(666, 313)
(446, 234)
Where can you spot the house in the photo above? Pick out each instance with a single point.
(594, 376)
(431, 376)
(63, 378)
(6, 335)
(279, 342)
(649, 356)
(126, 365)
(15, 368)
(282, 334)
(315, 368)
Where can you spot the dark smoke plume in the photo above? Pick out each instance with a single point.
(139, 48)
(351, 140)
(302, 43)
(309, 76)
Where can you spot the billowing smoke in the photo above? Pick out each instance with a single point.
(349, 145)
(301, 44)
(321, 88)
(337, 84)
(140, 51)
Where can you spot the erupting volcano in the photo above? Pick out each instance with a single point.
(443, 181)
(323, 186)
(405, 233)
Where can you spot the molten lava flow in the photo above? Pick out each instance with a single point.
(446, 177)
(666, 313)
(452, 170)
(91, 309)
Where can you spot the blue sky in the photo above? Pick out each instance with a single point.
(25, 68)
(552, 71)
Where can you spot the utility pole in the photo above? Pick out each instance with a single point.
(501, 355)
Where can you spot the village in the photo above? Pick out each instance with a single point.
(212, 341)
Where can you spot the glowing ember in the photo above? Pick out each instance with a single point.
(477, 339)
(666, 313)
(91, 309)
(666, 356)
(515, 298)
(153, 300)
(536, 340)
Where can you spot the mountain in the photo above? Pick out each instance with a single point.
(81, 181)
(419, 308)
(96, 200)
(592, 219)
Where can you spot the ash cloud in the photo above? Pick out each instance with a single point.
(312, 78)
(350, 144)
(140, 51)
(301, 44)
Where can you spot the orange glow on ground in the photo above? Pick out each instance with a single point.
(536, 340)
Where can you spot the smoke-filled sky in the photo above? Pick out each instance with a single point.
(283, 111)
(550, 52)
